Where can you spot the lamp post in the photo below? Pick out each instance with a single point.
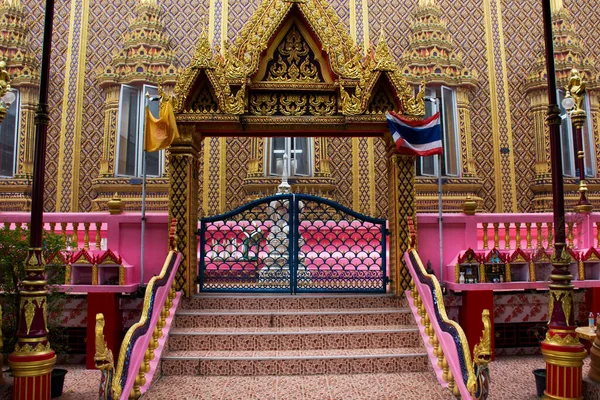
(33, 359)
(573, 103)
(561, 348)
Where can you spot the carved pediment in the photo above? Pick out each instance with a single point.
(292, 58)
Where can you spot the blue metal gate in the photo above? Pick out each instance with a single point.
(292, 243)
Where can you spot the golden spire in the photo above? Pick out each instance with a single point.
(383, 56)
(556, 5)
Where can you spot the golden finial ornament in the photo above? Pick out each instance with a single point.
(115, 205)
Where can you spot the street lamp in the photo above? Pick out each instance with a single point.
(561, 348)
(573, 103)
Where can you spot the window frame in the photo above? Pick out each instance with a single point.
(17, 105)
(438, 103)
(142, 102)
(288, 150)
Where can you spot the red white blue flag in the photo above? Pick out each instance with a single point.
(419, 138)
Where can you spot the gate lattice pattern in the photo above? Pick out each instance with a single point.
(293, 243)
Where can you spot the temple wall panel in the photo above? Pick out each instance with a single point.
(226, 160)
(522, 49)
(35, 17)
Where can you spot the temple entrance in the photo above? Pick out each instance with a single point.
(292, 243)
(293, 71)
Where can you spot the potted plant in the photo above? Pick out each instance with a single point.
(14, 244)
(539, 332)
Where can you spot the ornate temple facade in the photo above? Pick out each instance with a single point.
(478, 62)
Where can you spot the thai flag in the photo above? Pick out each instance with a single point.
(419, 138)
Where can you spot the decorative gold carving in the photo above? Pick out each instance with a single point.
(103, 358)
(29, 310)
(263, 104)
(293, 104)
(235, 104)
(351, 103)
(558, 340)
(483, 350)
(294, 60)
(322, 104)
(115, 205)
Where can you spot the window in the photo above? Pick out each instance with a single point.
(9, 131)
(130, 144)
(568, 144)
(299, 155)
(442, 99)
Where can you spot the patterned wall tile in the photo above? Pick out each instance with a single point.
(35, 18)
(340, 150)
(238, 154)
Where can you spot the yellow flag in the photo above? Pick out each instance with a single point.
(160, 133)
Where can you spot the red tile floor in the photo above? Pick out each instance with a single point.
(511, 380)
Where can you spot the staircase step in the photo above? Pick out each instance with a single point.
(405, 386)
(291, 302)
(295, 362)
(294, 338)
(288, 318)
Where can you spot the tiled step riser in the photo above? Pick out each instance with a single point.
(310, 341)
(291, 303)
(314, 320)
(296, 366)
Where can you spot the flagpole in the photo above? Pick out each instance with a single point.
(144, 160)
(440, 217)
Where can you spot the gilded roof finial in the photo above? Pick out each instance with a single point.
(383, 56)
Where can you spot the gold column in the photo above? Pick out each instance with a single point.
(255, 163)
(402, 204)
(464, 118)
(27, 131)
(111, 115)
(183, 203)
(539, 106)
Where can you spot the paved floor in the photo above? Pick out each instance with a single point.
(511, 380)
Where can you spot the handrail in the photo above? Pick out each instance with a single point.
(447, 337)
(137, 349)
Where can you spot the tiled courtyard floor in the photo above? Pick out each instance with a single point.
(511, 380)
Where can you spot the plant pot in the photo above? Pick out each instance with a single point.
(57, 381)
(540, 381)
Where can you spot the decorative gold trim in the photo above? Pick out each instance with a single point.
(365, 24)
(211, 20)
(223, 174)
(355, 174)
(224, 22)
(507, 112)
(116, 387)
(489, 43)
(25, 369)
(65, 108)
(371, 175)
(352, 7)
(437, 292)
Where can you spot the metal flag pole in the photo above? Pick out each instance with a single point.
(144, 161)
(440, 218)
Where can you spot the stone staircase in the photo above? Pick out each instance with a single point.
(243, 335)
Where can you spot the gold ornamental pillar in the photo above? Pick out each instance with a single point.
(183, 203)
(111, 118)
(402, 204)
(464, 122)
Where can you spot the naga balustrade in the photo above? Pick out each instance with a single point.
(144, 342)
(446, 343)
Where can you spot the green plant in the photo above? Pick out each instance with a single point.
(14, 244)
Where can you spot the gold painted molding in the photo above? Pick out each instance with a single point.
(77, 110)
(489, 43)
